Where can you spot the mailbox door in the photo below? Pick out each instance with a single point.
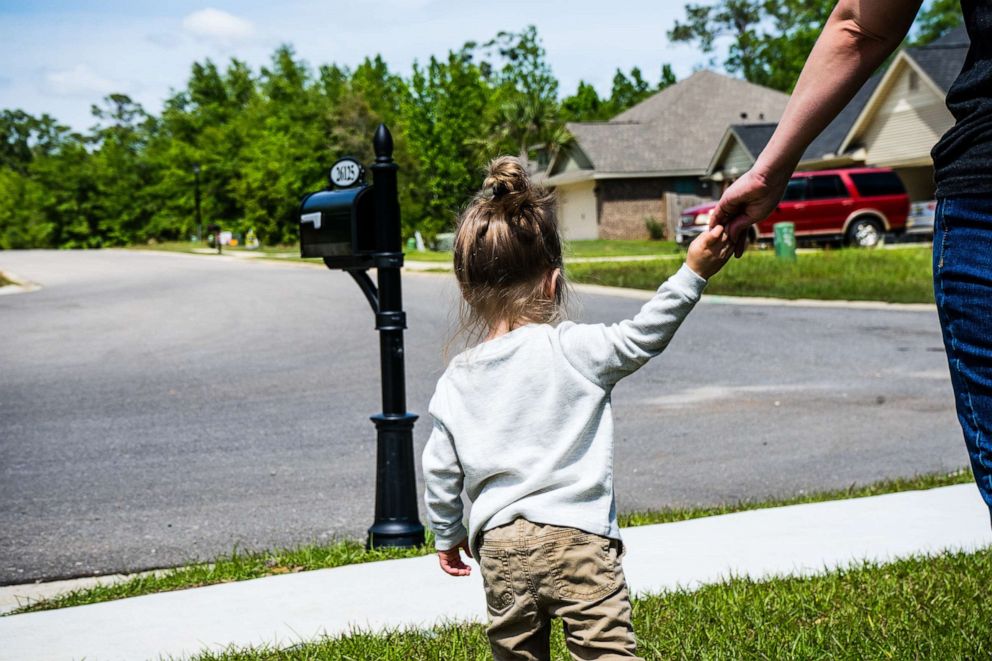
(327, 223)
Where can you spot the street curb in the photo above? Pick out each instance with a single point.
(13, 597)
(646, 294)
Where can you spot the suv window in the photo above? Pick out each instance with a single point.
(795, 190)
(870, 184)
(825, 187)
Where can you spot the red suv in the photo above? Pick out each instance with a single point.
(859, 205)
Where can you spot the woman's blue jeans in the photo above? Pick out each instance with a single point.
(962, 278)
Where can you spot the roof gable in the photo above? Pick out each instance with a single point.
(943, 59)
(884, 87)
(750, 138)
(829, 142)
(569, 158)
(676, 130)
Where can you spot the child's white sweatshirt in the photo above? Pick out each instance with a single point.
(524, 424)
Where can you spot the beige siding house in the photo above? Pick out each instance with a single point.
(613, 176)
(894, 121)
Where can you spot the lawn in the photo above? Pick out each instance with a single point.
(921, 608)
(244, 566)
(620, 248)
(901, 275)
(897, 276)
(580, 249)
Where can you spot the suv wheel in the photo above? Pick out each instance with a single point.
(864, 233)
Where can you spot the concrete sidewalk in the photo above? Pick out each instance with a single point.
(286, 609)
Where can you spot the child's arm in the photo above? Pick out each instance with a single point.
(606, 354)
(443, 478)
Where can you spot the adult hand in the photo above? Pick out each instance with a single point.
(750, 199)
(451, 560)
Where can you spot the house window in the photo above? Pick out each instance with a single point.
(914, 81)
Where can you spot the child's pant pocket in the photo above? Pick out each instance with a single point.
(495, 566)
(585, 567)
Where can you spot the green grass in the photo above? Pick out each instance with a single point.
(428, 256)
(244, 566)
(620, 248)
(917, 483)
(4, 281)
(897, 276)
(921, 608)
(580, 249)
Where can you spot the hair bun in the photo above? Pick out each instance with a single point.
(506, 175)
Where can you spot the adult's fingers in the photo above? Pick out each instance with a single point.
(740, 245)
(738, 226)
(726, 208)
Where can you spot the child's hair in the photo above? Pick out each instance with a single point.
(506, 246)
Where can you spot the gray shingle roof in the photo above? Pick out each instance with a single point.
(754, 137)
(677, 129)
(943, 59)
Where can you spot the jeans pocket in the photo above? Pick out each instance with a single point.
(495, 567)
(585, 567)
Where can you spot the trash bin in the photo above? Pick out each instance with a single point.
(785, 241)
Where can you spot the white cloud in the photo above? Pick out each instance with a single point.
(218, 26)
(80, 80)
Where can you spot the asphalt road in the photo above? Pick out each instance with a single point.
(161, 408)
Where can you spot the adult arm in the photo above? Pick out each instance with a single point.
(856, 39)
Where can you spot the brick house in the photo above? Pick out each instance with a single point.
(613, 176)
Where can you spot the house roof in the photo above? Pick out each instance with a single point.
(829, 141)
(943, 59)
(676, 130)
(939, 62)
(754, 137)
(718, 94)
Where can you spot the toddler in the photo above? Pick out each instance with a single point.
(523, 423)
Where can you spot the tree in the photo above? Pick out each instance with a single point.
(737, 19)
(525, 92)
(448, 108)
(936, 19)
(585, 105)
(769, 39)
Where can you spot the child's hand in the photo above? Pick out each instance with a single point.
(709, 252)
(451, 560)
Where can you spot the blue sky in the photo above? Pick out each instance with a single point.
(60, 57)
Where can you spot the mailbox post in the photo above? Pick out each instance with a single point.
(354, 228)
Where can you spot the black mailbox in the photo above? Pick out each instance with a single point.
(339, 225)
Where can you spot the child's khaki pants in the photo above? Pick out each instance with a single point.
(535, 572)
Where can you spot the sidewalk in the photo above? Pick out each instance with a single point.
(289, 608)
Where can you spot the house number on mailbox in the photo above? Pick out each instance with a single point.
(346, 172)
